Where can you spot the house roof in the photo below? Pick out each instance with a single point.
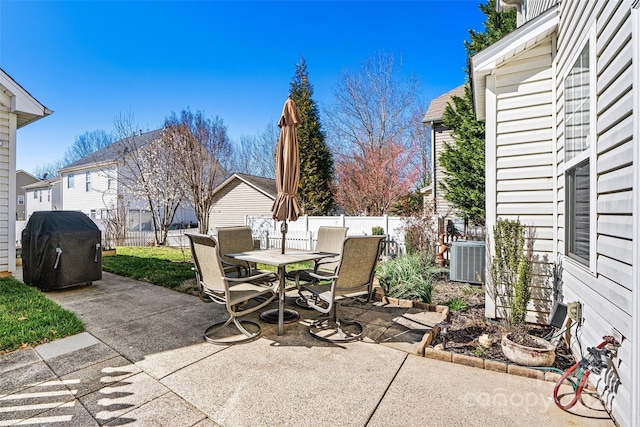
(437, 106)
(114, 151)
(25, 106)
(487, 60)
(267, 186)
(42, 183)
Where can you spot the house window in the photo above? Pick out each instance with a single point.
(109, 183)
(35, 194)
(40, 196)
(93, 214)
(87, 184)
(49, 195)
(577, 90)
(20, 199)
(70, 181)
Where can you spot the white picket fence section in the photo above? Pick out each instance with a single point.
(302, 234)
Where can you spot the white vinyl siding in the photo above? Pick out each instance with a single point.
(6, 243)
(442, 135)
(605, 292)
(93, 194)
(523, 164)
(235, 201)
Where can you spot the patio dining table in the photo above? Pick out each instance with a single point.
(276, 258)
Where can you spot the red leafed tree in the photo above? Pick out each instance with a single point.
(371, 179)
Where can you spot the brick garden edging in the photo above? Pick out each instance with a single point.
(425, 350)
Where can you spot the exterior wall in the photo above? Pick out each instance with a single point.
(605, 288)
(441, 135)
(520, 164)
(7, 177)
(236, 200)
(38, 199)
(534, 8)
(95, 199)
(22, 179)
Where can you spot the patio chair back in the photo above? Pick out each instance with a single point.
(330, 239)
(208, 266)
(357, 265)
(233, 240)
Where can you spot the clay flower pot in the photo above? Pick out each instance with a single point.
(529, 356)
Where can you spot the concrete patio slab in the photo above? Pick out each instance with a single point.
(441, 393)
(289, 385)
(145, 363)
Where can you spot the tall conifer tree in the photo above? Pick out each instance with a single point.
(316, 160)
(464, 161)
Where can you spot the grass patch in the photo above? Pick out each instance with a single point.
(29, 318)
(163, 266)
(168, 267)
(457, 304)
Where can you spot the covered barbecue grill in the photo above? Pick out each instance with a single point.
(61, 249)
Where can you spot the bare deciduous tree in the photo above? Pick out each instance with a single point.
(200, 146)
(375, 132)
(147, 171)
(255, 155)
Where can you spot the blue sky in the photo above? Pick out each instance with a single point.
(90, 61)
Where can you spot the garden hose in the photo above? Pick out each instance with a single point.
(594, 361)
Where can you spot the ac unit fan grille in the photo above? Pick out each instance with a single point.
(467, 262)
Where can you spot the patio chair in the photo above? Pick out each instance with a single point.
(233, 240)
(330, 239)
(251, 292)
(353, 279)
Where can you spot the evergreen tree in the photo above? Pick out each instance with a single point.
(316, 160)
(464, 161)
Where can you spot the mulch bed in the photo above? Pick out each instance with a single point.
(469, 324)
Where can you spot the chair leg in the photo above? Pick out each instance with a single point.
(336, 330)
(214, 333)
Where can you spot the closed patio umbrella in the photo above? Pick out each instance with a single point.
(285, 207)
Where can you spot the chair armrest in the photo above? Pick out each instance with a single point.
(322, 277)
(248, 278)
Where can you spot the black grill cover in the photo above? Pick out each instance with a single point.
(61, 249)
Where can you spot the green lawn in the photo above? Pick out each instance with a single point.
(163, 266)
(29, 318)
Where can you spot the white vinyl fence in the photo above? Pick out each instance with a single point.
(302, 234)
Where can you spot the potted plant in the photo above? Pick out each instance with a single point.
(511, 282)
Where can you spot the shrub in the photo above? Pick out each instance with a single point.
(377, 231)
(408, 277)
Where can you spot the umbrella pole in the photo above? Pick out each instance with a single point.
(283, 229)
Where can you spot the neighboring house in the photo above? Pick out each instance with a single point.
(560, 100)
(433, 195)
(241, 195)
(91, 185)
(17, 109)
(44, 195)
(22, 178)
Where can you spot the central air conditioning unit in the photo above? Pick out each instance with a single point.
(467, 261)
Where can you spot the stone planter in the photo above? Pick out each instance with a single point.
(529, 356)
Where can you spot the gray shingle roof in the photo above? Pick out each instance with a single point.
(437, 106)
(115, 151)
(268, 185)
